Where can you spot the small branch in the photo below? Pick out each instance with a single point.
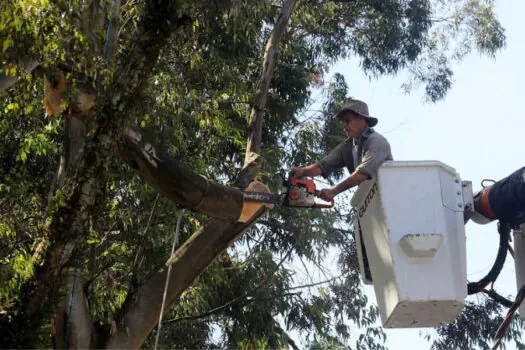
(92, 279)
(136, 265)
(502, 329)
(289, 340)
(101, 245)
(316, 283)
(233, 301)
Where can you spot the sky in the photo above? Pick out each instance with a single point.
(478, 129)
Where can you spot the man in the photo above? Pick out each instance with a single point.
(361, 153)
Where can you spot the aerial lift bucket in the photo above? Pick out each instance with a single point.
(410, 235)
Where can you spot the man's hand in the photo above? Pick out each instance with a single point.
(298, 171)
(309, 170)
(327, 194)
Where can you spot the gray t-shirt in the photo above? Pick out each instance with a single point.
(368, 151)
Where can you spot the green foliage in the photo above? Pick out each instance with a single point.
(475, 327)
(195, 107)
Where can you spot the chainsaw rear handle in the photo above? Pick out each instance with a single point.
(321, 205)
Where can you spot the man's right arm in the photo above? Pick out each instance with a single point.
(331, 162)
(309, 170)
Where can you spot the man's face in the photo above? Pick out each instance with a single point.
(353, 124)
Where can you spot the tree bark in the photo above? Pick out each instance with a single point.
(261, 93)
(203, 246)
(73, 320)
(6, 81)
(112, 34)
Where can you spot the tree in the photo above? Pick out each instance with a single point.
(219, 87)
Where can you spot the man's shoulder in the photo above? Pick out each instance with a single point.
(378, 137)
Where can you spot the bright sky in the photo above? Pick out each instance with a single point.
(478, 129)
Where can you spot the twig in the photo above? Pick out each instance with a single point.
(289, 340)
(316, 283)
(502, 329)
(88, 283)
(100, 245)
(135, 265)
(511, 251)
(245, 295)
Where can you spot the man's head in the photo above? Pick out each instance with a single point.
(355, 118)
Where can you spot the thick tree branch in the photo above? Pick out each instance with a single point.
(253, 146)
(186, 188)
(110, 47)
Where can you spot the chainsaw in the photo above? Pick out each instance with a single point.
(298, 193)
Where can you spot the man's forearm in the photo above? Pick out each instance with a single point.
(311, 170)
(351, 181)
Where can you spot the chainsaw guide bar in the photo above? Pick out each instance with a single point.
(299, 193)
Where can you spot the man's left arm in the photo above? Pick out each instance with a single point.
(353, 180)
(377, 152)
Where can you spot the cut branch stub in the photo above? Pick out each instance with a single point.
(185, 187)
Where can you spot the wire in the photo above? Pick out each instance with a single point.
(175, 242)
(492, 275)
(108, 32)
(68, 315)
(487, 180)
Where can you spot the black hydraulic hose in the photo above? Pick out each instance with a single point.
(504, 235)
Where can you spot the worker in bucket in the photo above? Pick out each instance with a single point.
(361, 153)
(504, 200)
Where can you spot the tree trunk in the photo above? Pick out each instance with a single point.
(73, 320)
(69, 223)
(141, 316)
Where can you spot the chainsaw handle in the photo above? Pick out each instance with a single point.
(322, 206)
